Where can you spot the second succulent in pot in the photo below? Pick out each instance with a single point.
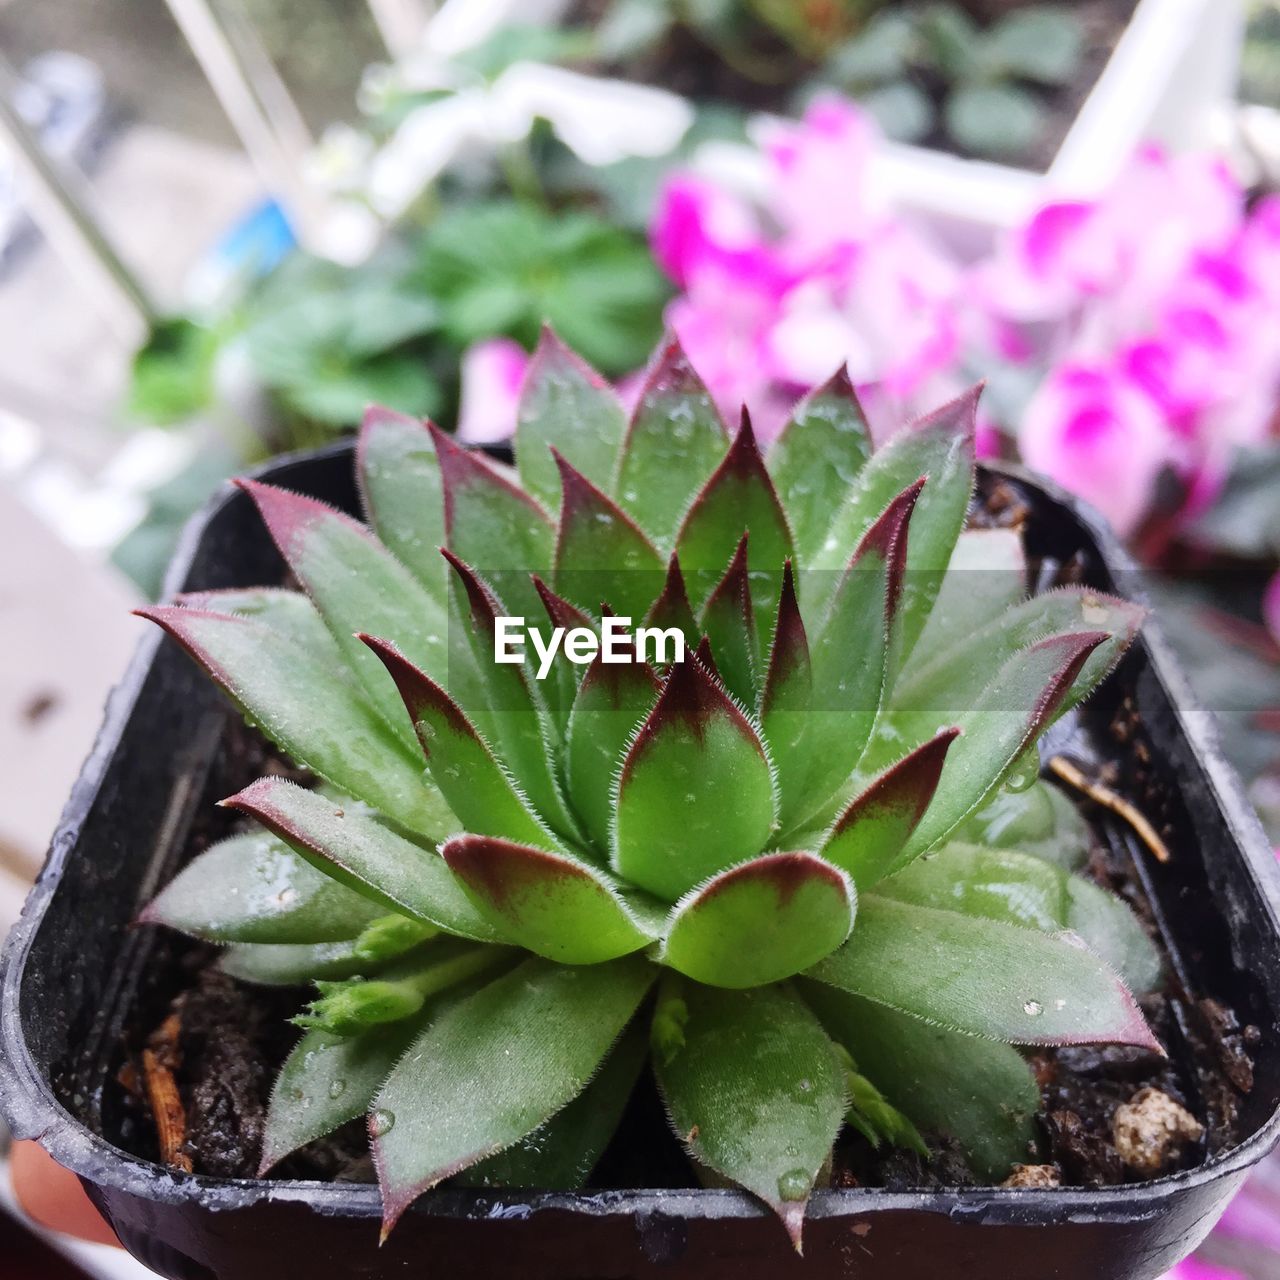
(751, 866)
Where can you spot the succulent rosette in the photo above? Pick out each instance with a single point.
(785, 873)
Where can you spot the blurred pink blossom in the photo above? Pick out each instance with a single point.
(1195, 1269)
(815, 272)
(492, 372)
(1091, 427)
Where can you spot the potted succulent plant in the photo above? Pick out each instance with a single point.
(685, 775)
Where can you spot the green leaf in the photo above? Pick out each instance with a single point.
(1113, 932)
(998, 120)
(1039, 820)
(327, 1081)
(982, 1095)
(950, 39)
(172, 377)
(613, 699)
(853, 652)
(984, 978)
(986, 576)
(288, 613)
(729, 622)
(941, 689)
(787, 698)
(868, 837)
(601, 553)
(561, 1154)
(817, 459)
(738, 499)
(674, 441)
(565, 406)
(695, 794)
(996, 884)
(560, 691)
(1020, 702)
(296, 963)
(550, 903)
(356, 585)
(494, 1067)
(478, 789)
(254, 888)
(760, 922)
(492, 524)
(322, 723)
(1041, 42)
(672, 608)
(902, 109)
(757, 1094)
(400, 484)
(363, 853)
(516, 710)
(939, 447)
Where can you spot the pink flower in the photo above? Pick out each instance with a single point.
(1195, 1269)
(697, 224)
(1095, 431)
(492, 372)
(823, 187)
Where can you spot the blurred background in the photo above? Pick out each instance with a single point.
(228, 225)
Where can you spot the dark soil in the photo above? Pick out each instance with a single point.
(765, 73)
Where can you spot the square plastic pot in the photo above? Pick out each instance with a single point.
(72, 966)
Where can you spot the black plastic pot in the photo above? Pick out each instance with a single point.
(71, 970)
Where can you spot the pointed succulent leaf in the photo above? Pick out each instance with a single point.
(253, 888)
(327, 1081)
(1038, 819)
(561, 1154)
(399, 477)
(996, 884)
(939, 447)
(1011, 713)
(760, 922)
(695, 794)
(356, 584)
(295, 963)
(363, 853)
(550, 903)
(729, 622)
(984, 977)
(288, 613)
(948, 684)
(516, 708)
(786, 699)
(561, 687)
(672, 609)
(1112, 931)
(981, 1094)
(675, 439)
(322, 723)
(756, 1093)
(492, 524)
(494, 1067)
(567, 406)
(987, 575)
(817, 459)
(479, 791)
(613, 700)
(851, 655)
(869, 835)
(739, 496)
(601, 553)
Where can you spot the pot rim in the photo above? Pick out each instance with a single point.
(33, 1111)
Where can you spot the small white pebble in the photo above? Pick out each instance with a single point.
(1151, 1129)
(1034, 1175)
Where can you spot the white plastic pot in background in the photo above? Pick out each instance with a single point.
(1170, 77)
